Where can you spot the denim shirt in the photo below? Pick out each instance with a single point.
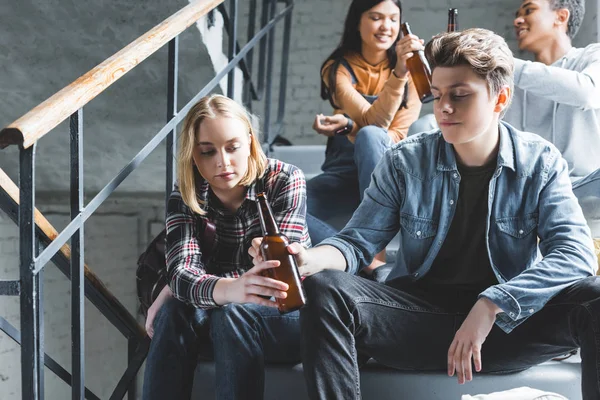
(414, 190)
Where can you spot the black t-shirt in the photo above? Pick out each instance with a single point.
(462, 262)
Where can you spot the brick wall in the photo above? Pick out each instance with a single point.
(113, 240)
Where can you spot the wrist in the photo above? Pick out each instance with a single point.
(397, 72)
(222, 290)
(491, 306)
(346, 129)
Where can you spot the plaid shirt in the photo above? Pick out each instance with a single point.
(191, 280)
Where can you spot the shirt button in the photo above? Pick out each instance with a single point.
(520, 231)
(451, 202)
(531, 311)
(455, 175)
(512, 314)
(418, 233)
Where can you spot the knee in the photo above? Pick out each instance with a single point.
(587, 295)
(321, 288)
(589, 289)
(173, 313)
(371, 137)
(229, 319)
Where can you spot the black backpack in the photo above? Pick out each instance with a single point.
(151, 274)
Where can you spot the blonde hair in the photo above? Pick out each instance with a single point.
(481, 49)
(213, 106)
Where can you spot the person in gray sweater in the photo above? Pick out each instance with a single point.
(558, 95)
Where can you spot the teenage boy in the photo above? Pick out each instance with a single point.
(558, 95)
(469, 202)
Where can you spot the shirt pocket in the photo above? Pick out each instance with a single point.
(417, 237)
(516, 244)
(418, 227)
(518, 227)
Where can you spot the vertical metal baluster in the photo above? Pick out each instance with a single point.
(132, 344)
(77, 263)
(285, 55)
(173, 76)
(268, 94)
(264, 19)
(251, 29)
(32, 351)
(233, 9)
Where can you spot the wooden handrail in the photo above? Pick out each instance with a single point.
(32, 126)
(46, 227)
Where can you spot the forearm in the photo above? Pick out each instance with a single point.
(192, 288)
(324, 257)
(573, 88)
(381, 113)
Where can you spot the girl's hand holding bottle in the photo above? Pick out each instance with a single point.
(406, 47)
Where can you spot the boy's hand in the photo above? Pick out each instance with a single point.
(295, 249)
(469, 339)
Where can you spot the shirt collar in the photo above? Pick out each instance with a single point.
(208, 199)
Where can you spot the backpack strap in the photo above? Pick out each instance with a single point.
(207, 231)
(346, 65)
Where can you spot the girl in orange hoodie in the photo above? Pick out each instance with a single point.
(375, 101)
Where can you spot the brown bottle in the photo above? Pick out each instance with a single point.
(274, 247)
(419, 71)
(452, 19)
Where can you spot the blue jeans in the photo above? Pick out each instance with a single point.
(240, 338)
(587, 191)
(408, 327)
(336, 193)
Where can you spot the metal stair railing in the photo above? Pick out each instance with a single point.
(40, 243)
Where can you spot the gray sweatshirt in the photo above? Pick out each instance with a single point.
(561, 103)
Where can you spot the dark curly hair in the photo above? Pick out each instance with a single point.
(577, 11)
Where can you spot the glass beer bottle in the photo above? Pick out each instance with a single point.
(452, 19)
(419, 71)
(274, 247)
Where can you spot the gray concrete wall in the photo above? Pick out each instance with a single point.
(47, 44)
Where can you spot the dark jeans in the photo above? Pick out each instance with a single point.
(410, 328)
(240, 337)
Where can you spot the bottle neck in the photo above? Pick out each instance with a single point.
(406, 29)
(265, 214)
(452, 20)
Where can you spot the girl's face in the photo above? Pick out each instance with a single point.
(221, 153)
(379, 26)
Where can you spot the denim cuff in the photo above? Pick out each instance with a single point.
(347, 251)
(510, 307)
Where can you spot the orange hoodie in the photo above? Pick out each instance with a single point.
(374, 80)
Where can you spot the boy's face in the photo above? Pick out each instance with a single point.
(534, 23)
(463, 106)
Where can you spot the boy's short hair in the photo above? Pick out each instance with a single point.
(577, 11)
(481, 49)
